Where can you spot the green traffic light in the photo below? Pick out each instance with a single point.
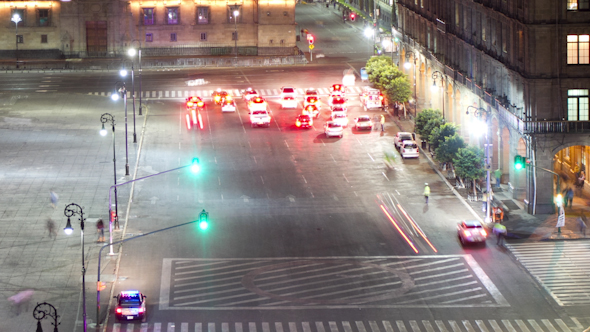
(558, 200)
(195, 167)
(518, 162)
(203, 225)
(204, 220)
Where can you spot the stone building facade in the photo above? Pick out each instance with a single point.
(87, 28)
(524, 63)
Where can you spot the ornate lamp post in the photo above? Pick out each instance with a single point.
(236, 14)
(45, 310)
(71, 210)
(407, 65)
(131, 52)
(109, 118)
(478, 111)
(436, 75)
(16, 18)
(121, 91)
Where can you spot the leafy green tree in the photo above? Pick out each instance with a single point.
(430, 126)
(399, 89)
(438, 134)
(468, 164)
(447, 150)
(387, 77)
(422, 127)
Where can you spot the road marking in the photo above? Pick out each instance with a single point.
(414, 326)
(318, 325)
(279, 327)
(171, 327)
(238, 327)
(144, 327)
(522, 326)
(345, 178)
(385, 175)
(401, 326)
(441, 326)
(183, 327)
(304, 178)
(157, 327)
(262, 179)
(252, 327)
(370, 156)
(265, 327)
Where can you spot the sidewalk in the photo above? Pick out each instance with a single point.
(520, 224)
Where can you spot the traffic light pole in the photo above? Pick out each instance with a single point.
(129, 239)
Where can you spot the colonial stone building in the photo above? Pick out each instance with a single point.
(524, 63)
(87, 28)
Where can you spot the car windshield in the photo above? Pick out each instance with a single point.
(363, 119)
(405, 138)
(130, 301)
(472, 226)
(311, 92)
(410, 146)
(334, 125)
(259, 112)
(288, 90)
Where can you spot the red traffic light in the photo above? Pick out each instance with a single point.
(310, 39)
(352, 16)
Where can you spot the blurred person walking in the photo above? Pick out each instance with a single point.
(51, 230)
(54, 198)
(21, 301)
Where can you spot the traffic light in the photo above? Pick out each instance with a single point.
(310, 39)
(519, 162)
(559, 200)
(204, 220)
(352, 17)
(195, 167)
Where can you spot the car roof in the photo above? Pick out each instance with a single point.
(472, 223)
(333, 123)
(364, 117)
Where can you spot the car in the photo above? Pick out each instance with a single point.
(312, 111)
(249, 94)
(288, 91)
(303, 121)
(338, 89)
(194, 102)
(337, 110)
(312, 100)
(194, 106)
(471, 231)
(260, 118)
(409, 149)
(130, 305)
(288, 102)
(400, 137)
(332, 129)
(228, 104)
(337, 101)
(363, 122)
(218, 95)
(371, 98)
(256, 104)
(340, 117)
(311, 92)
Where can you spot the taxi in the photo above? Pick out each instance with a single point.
(303, 121)
(312, 111)
(228, 104)
(312, 100)
(249, 94)
(130, 305)
(257, 104)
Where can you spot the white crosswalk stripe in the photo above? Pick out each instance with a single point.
(505, 325)
(560, 267)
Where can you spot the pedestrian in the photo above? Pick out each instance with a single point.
(500, 231)
(426, 192)
(582, 179)
(334, 4)
(100, 230)
(582, 224)
(21, 300)
(484, 201)
(382, 121)
(54, 198)
(498, 175)
(569, 197)
(51, 228)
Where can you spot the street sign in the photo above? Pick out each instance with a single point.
(311, 47)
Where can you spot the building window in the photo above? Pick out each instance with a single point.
(43, 39)
(504, 38)
(230, 14)
(578, 4)
(19, 39)
(234, 35)
(203, 15)
(21, 14)
(578, 49)
(577, 105)
(173, 15)
(173, 37)
(43, 17)
(484, 23)
(520, 37)
(148, 16)
(149, 37)
(203, 36)
(457, 15)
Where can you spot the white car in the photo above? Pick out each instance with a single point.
(332, 129)
(400, 137)
(249, 94)
(228, 105)
(260, 118)
(257, 104)
(337, 101)
(409, 149)
(288, 91)
(341, 118)
(311, 92)
(288, 102)
(363, 122)
(312, 100)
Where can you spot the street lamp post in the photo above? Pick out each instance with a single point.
(109, 118)
(436, 75)
(71, 210)
(131, 54)
(478, 112)
(16, 18)
(45, 310)
(121, 89)
(407, 66)
(236, 14)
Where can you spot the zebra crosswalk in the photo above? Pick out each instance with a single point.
(173, 94)
(489, 325)
(560, 267)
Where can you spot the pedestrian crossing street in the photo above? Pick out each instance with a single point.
(490, 325)
(173, 94)
(561, 267)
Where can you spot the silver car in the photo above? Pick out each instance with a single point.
(332, 129)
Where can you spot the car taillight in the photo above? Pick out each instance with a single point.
(310, 122)
(483, 232)
(380, 97)
(298, 123)
(119, 310)
(200, 104)
(217, 98)
(190, 104)
(466, 233)
(141, 310)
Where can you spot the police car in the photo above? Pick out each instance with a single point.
(130, 305)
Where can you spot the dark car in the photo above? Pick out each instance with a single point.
(303, 121)
(130, 305)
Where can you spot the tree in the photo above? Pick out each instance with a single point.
(438, 134)
(447, 150)
(389, 79)
(468, 164)
(422, 126)
(398, 89)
